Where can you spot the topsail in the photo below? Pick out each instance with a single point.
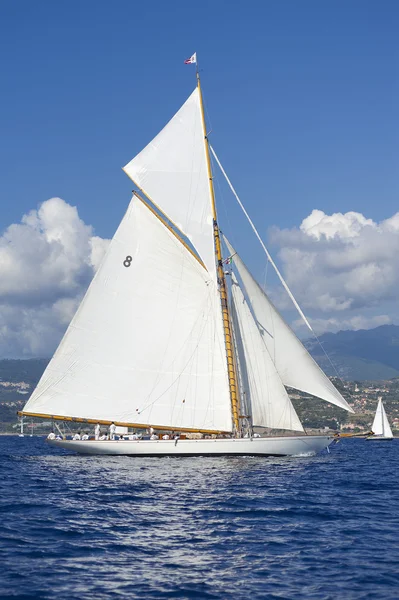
(172, 172)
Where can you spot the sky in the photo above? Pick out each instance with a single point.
(301, 100)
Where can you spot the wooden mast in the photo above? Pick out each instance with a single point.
(228, 334)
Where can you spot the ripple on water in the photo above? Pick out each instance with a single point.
(322, 527)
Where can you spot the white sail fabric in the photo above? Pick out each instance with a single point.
(296, 367)
(270, 405)
(381, 424)
(146, 345)
(172, 172)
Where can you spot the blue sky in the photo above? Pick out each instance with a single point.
(302, 99)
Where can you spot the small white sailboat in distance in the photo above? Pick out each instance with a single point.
(381, 428)
(166, 340)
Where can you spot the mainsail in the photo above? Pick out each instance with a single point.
(172, 172)
(295, 366)
(381, 424)
(146, 345)
(265, 393)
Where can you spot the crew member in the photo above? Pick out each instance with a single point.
(112, 429)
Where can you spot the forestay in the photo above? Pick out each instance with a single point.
(172, 172)
(381, 424)
(146, 344)
(266, 395)
(296, 367)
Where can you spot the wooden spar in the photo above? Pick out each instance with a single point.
(228, 337)
(158, 212)
(171, 229)
(119, 423)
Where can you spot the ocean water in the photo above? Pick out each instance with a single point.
(324, 527)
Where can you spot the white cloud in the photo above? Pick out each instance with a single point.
(340, 262)
(348, 225)
(46, 264)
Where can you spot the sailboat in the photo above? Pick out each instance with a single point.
(167, 338)
(381, 429)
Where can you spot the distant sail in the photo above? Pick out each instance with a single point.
(172, 172)
(270, 405)
(146, 344)
(293, 362)
(381, 424)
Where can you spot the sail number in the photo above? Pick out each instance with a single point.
(128, 261)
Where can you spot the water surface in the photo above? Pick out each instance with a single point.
(84, 527)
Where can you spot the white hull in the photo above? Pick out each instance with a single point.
(379, 438)
(272, 446)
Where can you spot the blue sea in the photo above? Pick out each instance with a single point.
(324, 527)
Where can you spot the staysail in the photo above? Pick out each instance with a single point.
(381, 424)
(295, 366)
(269, 403)
(172, 172)
(146, 345)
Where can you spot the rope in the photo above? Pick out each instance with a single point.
(331, 363)
(287, 289)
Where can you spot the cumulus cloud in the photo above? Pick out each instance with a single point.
(46, 263)
(340, 262)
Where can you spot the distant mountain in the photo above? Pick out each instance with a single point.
(18, 378)
(29, 370)
(366, 354)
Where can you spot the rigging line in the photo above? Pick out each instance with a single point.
(223, 203)
(287, 289)
(332, 365)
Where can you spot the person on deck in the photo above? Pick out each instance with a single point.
(76, 437)
(97, 431)
(85, 436)
(112, 429)
(51, 436)
(154, 436)
(165, 437)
